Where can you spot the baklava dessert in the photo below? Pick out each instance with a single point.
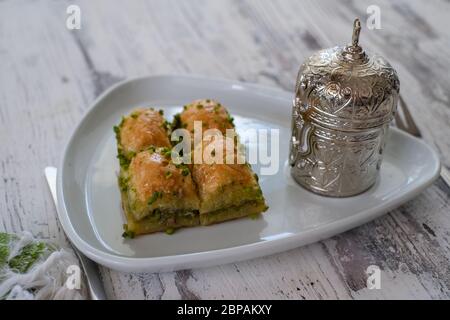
(160, 193)
(141, 129)
(210, 113)
(157, 195)
(226, 190)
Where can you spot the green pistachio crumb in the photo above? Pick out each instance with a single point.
(124, 162)
(128, 234)
(176, 123)
(170, 230)
(123, 183)
(166, 152)
(155, 196)
(28, 255)
(134, 115)
(166, 125)
(254, 216)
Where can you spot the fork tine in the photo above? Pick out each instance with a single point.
(399, 122)
(411, 126)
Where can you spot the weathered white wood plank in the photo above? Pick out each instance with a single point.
(49, 75)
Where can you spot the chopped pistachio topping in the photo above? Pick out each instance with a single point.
(254, 216)
(123, 160)
(185, 171)
(27, 257)
(128, 234)
(176, 121)
(117, 128)
(230, 119)
(170, 230)
(134, 115)
(166, 152)
(166, 125)
(155, 196)
(123, 183)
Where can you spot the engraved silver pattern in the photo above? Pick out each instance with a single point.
(344, 101)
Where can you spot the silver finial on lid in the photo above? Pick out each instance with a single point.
(356, 31)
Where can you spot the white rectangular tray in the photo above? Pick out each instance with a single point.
(89, 201)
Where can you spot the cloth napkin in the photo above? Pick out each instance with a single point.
(32, 269)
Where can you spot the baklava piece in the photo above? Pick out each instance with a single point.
(157, 195)
(139, 130)
(227, 191)
(211, 113)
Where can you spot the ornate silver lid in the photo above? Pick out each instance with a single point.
(358, 90)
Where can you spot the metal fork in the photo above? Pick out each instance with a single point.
(405, 122)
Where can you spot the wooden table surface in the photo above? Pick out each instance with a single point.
(49, 76)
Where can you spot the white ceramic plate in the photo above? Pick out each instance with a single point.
(89, 199)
